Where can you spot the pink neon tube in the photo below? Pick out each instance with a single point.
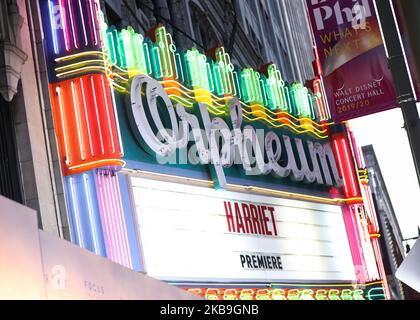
(109, 243)
(121, 222)
(64, 25)
(354, 242)
(113, 217)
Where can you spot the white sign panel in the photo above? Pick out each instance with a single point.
(38, 265)
(20, 263)
(191, 233)
(74, 273)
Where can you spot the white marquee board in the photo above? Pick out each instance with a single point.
(185, 236)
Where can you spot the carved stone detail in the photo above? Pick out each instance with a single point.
(12, 57)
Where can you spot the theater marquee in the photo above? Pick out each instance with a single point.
(178, 163)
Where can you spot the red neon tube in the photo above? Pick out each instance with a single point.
(345, 161)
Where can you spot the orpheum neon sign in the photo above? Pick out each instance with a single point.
(238, 145)
(207, 101)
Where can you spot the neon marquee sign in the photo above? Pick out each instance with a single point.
(238, 144)
(101, 81)
(223, 91)
(94, 66)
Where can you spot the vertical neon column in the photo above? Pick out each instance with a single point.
(347, 171)
(86, 127)
(372, 222)
(361, 221)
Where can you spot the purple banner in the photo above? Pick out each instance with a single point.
(352, 56)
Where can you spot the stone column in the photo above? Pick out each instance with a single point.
(12, 57)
